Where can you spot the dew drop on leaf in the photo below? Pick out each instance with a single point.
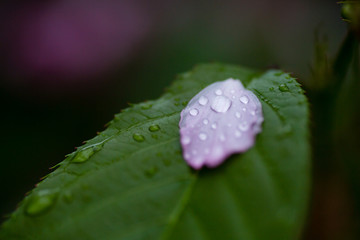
(138, 137)
(146, 106)
(154, 128)
(151, 172)
(84, 154)
(41, 202)
(283, 87)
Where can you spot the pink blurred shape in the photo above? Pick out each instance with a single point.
(73, 40)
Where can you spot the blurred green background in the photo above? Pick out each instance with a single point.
(68, 66)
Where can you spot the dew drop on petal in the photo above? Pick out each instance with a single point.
(205, 121)
(214, 126)
(185, 140)
(218, 92)
(244, 99)
(238, 115)
(194, 112)
(243, 126)
(222, 138)
(221, 104)
(203, 100)
(202, 136)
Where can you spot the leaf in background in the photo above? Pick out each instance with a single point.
(131, 182)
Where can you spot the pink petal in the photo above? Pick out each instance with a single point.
(220, 120)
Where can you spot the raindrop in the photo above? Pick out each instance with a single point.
(221, 104)
(184, 103)
(243, 126)
(271, 88)
(218, 92)
(194, 112)
(185, 140)
(252, 112)
(203, 100)
(151, 172)
(244, 109)
(166, 162)
(238, 115)
(244, 99)
(237, 134)
(138, 137)
(205, 121)
(85, 154)
(222, 138)
(214, 126)
(146, 106)
(40, 202)
(202, 136)
(154, 128)
(68, 197)
(283, 88)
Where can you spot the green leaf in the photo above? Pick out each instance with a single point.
(131, 182)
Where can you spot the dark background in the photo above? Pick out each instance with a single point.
(68, 66)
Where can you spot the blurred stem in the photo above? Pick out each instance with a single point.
(343, 60)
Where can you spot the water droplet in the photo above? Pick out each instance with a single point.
(146, 106)
(221, 104)
(222, 138)
(194, 112)
(205, 121)
(244, 109)
(285, 130)
(185, 140)
(184, 103)
(271, 88)
(238, 115)
(218, 92)
(202, 136)
(203, 100)
(151, 172)
(166, 162)
(68, 197)
(138, 137)
(243, 126)
(252, 112)
(237, 134)
(40, 202)
(85, 154)
(154, 136)
(214, 126)
(154, 128)
(283, 88)
(232, 91)
(244, 99)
